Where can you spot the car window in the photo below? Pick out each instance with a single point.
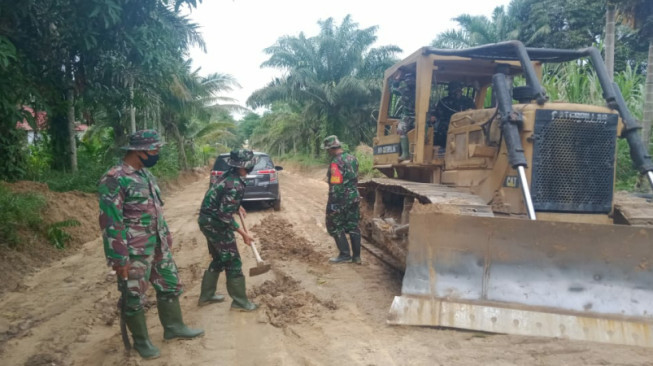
(263, 163)
(221, 164)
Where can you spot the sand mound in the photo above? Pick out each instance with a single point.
(285, 302)
(278, 241)
(35, 251)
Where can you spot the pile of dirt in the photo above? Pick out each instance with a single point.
(277, 240)
(63, 206)
(34, 249)
(286, 302)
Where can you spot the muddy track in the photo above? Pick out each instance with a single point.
(311, 313)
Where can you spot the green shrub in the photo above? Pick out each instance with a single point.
(168, 165)
(303, 160)
(18, 210)
(366, 164)
(57, 235)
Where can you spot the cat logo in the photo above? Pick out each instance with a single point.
(512, 181)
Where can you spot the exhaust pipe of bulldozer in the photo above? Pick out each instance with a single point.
(511, 121)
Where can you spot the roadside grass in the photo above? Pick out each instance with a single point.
(19, 210)
(363, 154)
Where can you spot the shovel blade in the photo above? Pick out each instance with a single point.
(259, 269)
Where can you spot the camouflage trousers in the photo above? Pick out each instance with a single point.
(222, 247)
(342, 218)
(159, 269)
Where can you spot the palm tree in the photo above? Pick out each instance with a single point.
(477, 30)
(191, 103)
(610, 21)
(328, 76)
(639, 15)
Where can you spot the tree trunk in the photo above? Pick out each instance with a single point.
(318, 148)
(183, 161)
(72, 143)
(609, 39)
(647, 117)
(132, 109)
(159, 124)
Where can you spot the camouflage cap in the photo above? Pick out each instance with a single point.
(144, 140)
(241, 158)
(330, 142)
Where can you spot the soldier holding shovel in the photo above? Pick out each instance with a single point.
(216, 222)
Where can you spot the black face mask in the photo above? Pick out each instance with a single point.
(150, 161)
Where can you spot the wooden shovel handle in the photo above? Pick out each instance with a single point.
(253, 246)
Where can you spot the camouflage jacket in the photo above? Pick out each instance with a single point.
(342, 176)
(449, 105)
(222, 200)
(131, 214)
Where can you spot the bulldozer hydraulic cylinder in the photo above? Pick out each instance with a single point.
(638, 153)
(509, 121)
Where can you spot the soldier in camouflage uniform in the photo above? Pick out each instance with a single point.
(138, 244)
(216, 221)
(454, 102)
(343, 211)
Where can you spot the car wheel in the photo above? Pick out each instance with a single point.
(277, 204)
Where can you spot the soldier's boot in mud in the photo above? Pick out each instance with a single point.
(355, 246)
(343, 247)
(172, 321)
(138, 328)
(237, 291)
(209, 284)
(404, 144)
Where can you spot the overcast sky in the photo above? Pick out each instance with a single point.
(236, 32)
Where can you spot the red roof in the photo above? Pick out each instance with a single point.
(41, 120)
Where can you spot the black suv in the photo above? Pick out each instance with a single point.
(262, 182)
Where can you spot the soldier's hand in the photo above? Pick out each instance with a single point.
(242, 211)
(122, 271)
(248, 239)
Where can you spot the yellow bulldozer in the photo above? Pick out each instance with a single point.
(500, 206)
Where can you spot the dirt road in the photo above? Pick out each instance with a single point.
(311, 313)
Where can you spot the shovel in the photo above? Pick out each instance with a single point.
(261, 266)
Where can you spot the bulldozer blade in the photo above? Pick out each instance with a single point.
(259, 269)
(504, 275)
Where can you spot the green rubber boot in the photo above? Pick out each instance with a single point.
(142, 344)
(405, 146)
(209, 284)
(343, 248)
(236, 289)
(172, 321)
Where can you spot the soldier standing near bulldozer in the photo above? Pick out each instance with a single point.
(138, 243)
(221, 202)
(343, 210)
